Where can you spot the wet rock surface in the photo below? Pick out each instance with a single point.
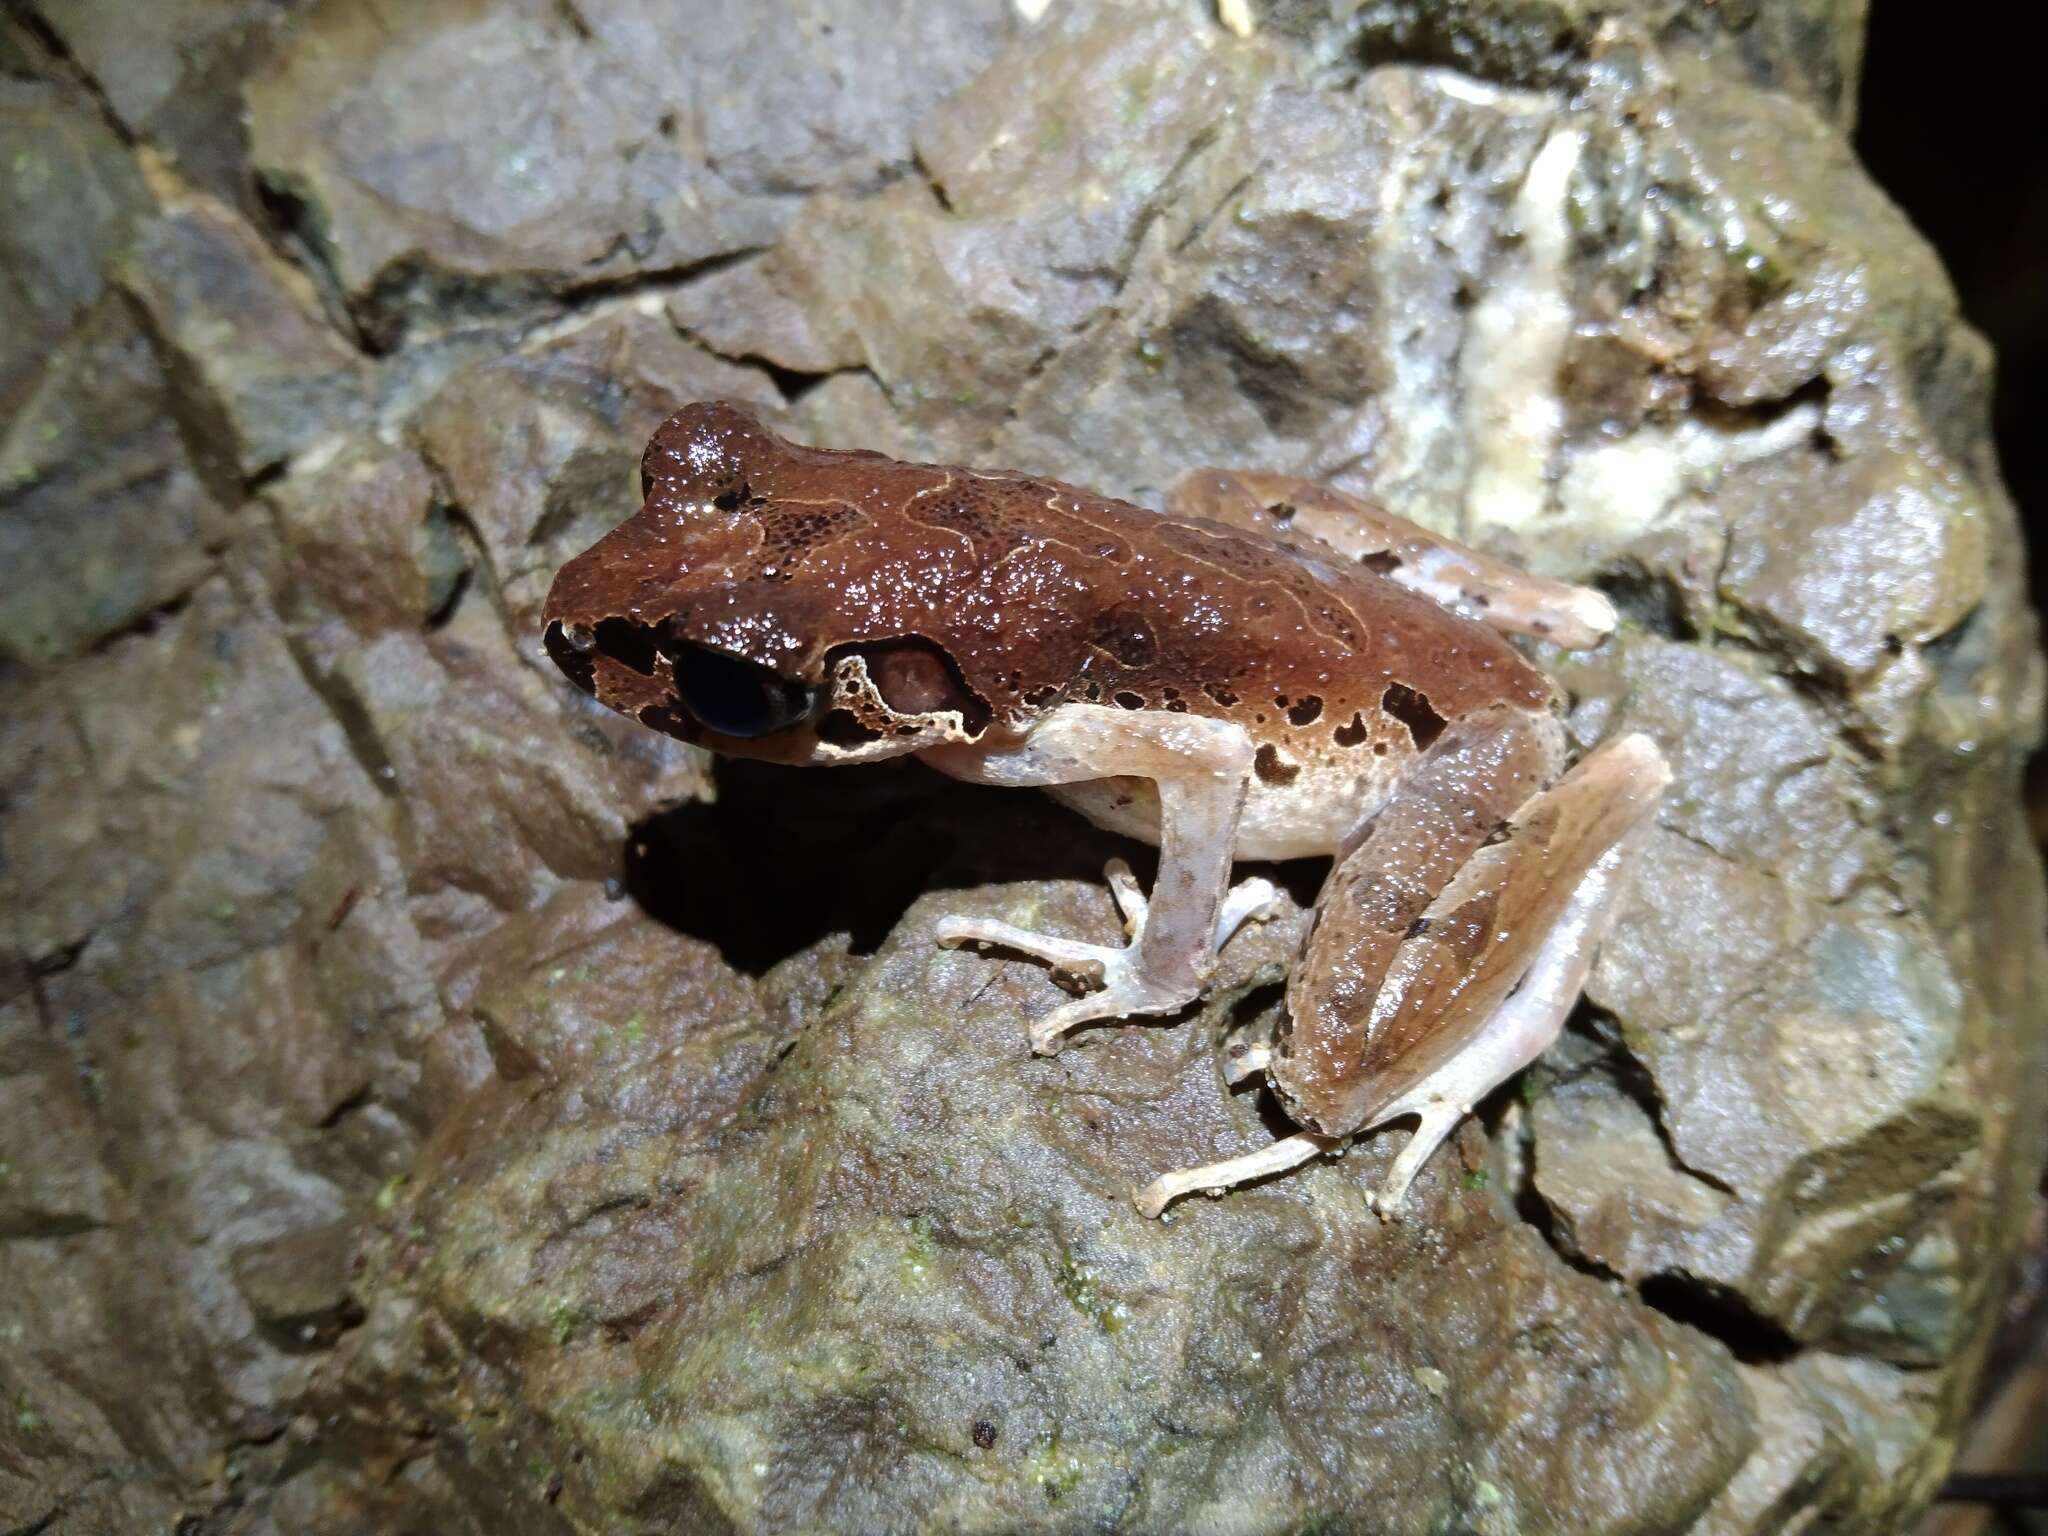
(430, 1103)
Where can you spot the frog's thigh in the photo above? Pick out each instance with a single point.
(1201, 767)
(1463, 792)
(1322, 519)
(1472, 998)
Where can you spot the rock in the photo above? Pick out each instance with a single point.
(171, 74)
(51, 1182)
(472, 159)
(68, 196)
(94, 433)
(367, 537)
(297, 1282)
(904, 1230)
(504, 1120)
(255, 372)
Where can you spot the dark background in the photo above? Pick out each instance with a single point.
(1954, 124)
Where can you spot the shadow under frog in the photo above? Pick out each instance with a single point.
(1270, 669)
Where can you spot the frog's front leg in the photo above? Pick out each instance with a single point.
(1202, 768)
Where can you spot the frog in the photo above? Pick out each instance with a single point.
(1267, 668)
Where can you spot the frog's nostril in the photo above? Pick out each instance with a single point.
(570, 650)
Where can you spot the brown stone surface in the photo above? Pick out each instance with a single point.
(429, 1102)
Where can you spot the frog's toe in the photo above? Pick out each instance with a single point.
(1243, 1059)
(1127, 990)
(1089, 961)
(1256, 900)
(1048, 1033)
(1128, 895)
(1214, 1178)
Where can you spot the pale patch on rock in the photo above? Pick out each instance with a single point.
(1514, 346)
(1614, 490)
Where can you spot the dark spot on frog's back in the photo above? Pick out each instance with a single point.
(1305, 711)
(1273, 769)
(1413, 710)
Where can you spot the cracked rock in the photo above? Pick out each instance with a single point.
(502, 1118)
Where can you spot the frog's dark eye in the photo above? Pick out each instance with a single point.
(737, 698)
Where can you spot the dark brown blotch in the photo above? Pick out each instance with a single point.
(670, 722)
(627, 643)
(1274, 769)
(1305, 711)
(1352, 735)
(1128, 638)
(842, 728)
(1413, 710)
(576, 662)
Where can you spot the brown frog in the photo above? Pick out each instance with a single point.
(1271, 669)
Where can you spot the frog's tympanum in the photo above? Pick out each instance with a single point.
(1270, 669)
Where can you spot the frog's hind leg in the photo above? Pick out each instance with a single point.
(1326, 521)
(1465, 1004)
(1515, 1036)
(1202, 768)
(1520, 1030)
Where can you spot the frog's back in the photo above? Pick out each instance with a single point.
(1182, 612)
(1042, 593)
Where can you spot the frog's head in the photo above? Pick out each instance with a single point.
(760, 604)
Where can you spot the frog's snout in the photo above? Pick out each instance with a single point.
(572, 650)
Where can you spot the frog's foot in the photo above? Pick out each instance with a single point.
(1126, 984)
(1214, 1178)
(1130, 981)
(1437, 1122)
(1246, 1058)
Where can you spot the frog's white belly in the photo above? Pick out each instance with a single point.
(1308, 816)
